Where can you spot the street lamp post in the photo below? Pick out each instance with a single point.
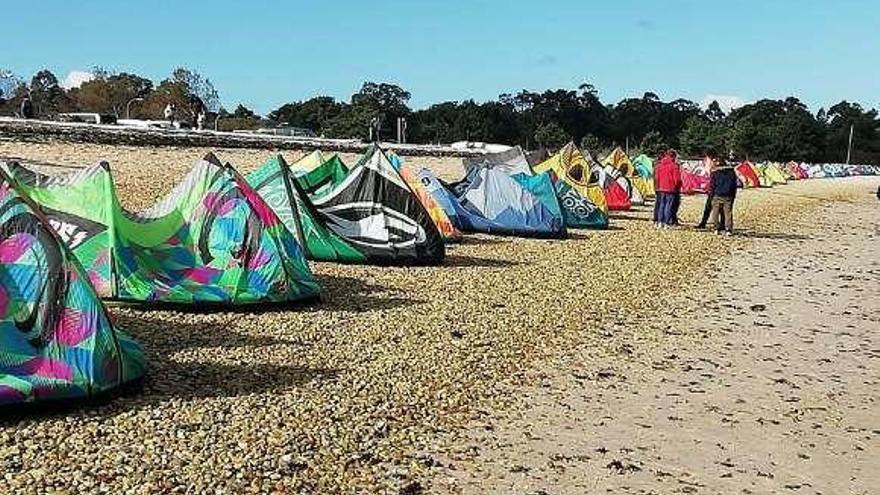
(849, 146)
(128, 106)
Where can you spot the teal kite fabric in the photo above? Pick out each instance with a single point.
(578, 211)
(56, 339)
(211, 240)
(644, 166)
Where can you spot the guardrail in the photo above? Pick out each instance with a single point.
(47, 130)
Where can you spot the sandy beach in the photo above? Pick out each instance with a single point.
(762, 379)
(629, 360)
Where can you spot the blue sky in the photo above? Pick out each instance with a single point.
(263, 53)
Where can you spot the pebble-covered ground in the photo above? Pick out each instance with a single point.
(347, 396)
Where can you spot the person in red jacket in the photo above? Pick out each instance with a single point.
(667, 183)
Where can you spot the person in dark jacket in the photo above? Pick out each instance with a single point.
(723, 185)
(712, 162)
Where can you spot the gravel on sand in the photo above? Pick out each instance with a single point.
(346, 396)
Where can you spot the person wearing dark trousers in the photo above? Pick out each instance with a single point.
(712, 164)
(676, 194)
(667, 183)
(724, 187)
(676, 204)
(658, 201)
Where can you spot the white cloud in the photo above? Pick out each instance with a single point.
(75, 79)
(726, 102)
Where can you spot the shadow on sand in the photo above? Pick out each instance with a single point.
(169, 379)
(484, 239)
(619, 216)
(351, 294)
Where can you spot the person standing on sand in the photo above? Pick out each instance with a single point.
(667, 182)
(676, 195)
(658, 195)
(712, 163)
(723, 186)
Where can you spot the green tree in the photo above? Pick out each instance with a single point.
(591, 143)
(653, 144)
(700, 135)
(47, 95)
(111, 93)
(198, 86)
(551, 135)
(240, 118)
(383, 101)
(167, 92)
(315, 114)
(866, 133)
(713, 112)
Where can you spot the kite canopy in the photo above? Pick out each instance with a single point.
(521, 204)
(816, 171)
(632, 192)
(323, 178)
(447, 229)
(795, 171)
(644, 166)
(763, 180)
(619, 161)
(512, 161)
(309, 162)
(374, 210)
(447, 200)
(616, 195)
(643, 175)
(618, 165)
(747, 175)
(579, 192)
(694, 177)
(56, 339)
(211, 240)
(275, 183)
(644, 186)
(773, 174)
(578, 211)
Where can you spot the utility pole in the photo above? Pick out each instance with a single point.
(849, 147)
(401, 129)
(375, 125)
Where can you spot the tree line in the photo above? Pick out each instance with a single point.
(764, 130)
